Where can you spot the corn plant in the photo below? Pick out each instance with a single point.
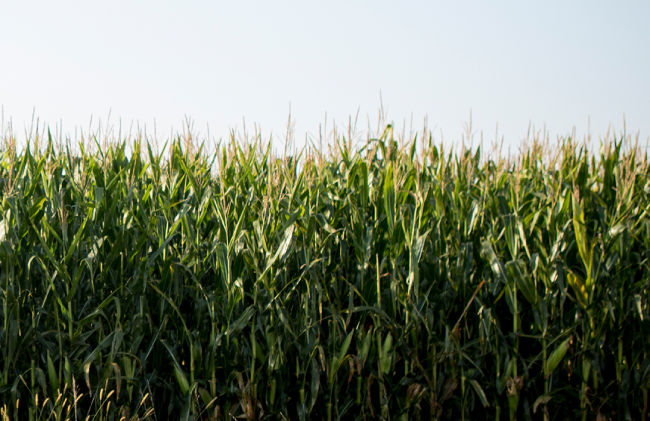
(392, 279)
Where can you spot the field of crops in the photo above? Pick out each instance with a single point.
(390, 280)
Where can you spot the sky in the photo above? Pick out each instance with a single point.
(557, 66)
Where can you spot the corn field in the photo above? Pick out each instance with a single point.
(393, 280)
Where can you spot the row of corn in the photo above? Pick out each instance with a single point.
(390, 280)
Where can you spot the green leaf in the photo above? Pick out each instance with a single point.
(52, 374)
(86, 367)
(556, 356)
(389, 196)
(241, 321)
(344, 347)
(524, 281)
(580, 230)
(481, 394)
(281, 253)
(386, 360)
(340, 357)
(579, 287)
(181, 379)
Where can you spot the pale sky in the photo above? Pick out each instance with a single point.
(553, 64)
